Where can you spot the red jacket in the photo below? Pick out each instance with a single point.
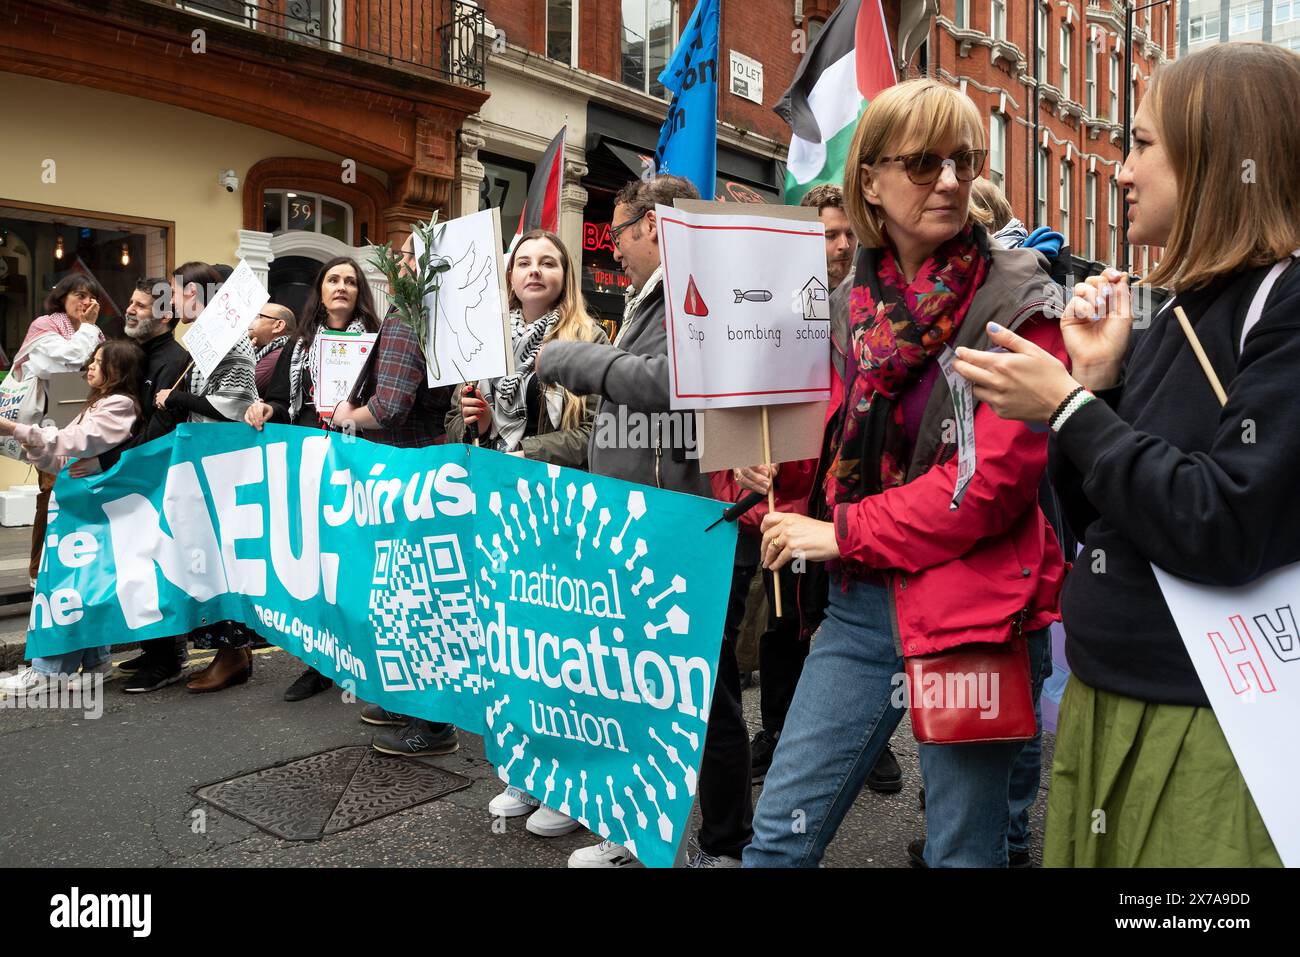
(978, 573)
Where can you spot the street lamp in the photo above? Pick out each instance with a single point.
(1131, 12)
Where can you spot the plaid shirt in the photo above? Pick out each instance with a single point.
(411, 414)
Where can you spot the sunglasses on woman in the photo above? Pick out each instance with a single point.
(924, 168)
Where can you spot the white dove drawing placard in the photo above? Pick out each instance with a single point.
(468, 325)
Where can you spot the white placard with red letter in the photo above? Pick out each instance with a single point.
(225, 319)
(1246, 648)
(747, 307)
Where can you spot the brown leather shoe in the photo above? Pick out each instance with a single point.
(232, 666)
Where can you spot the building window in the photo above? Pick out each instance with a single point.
(1112, 222)
(1040, 218)
(814, 30)
(1090, 78)
(1114, 88)
(1284, 11)
(562, 30)
(1066, 184)
(1066, 36)
(1040, 53)
(998, 19)
(648, 38)
(997, 150)
(290, 210)
(1090, 217)
(1204, 28)
(233, 11)
(961, 15)
(1245, 18)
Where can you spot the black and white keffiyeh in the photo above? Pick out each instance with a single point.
(305, 360)
(232, 387)
(509, 393)
(278, 342)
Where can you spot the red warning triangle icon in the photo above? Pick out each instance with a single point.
(694, 304)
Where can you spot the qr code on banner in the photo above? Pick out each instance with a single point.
(426, 629)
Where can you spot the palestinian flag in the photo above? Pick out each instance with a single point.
(542, 205)
(850, 62)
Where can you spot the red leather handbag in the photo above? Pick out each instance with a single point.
(972, 694)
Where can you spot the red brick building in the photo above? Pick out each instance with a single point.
(592, 66)
(1057, 168)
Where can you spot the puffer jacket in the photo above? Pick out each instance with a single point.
(991, 568)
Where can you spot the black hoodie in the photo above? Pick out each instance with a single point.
(1159, 472)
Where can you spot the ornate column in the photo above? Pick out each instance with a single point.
(255, 247)
(573, 200)
(469, 171)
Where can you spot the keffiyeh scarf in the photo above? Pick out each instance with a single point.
(231, 388)
(509, 393)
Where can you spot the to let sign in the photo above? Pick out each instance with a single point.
(746, 77)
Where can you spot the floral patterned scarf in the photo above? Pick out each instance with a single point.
(894, 331)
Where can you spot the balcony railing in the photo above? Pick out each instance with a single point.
(441, 37)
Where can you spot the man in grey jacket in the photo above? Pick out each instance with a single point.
(637, 437)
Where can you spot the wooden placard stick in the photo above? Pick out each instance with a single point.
(1201, 357)
(184, 372)
(771, 506)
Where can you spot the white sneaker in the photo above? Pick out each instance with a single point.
(704, 859)
(547, 822)
(86, 677)
(25, 682)
(512, 802)
(604, 854)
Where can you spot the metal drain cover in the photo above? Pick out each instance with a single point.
(321, 794)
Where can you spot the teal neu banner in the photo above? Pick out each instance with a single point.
(572, 620)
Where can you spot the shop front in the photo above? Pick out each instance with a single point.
(620, 148)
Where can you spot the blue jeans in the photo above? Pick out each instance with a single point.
(67, 664)
(977, 796)
(1026, 773)
(840, 720)
(844, 711)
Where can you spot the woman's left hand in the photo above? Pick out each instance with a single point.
(1025, 383)
(787, 535)
(341, 416)
(160, 400)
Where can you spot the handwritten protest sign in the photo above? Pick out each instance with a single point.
(1246, 648)
(226, 318)
(747, 306)
(340, 359)
(469, 334)
(573, 620)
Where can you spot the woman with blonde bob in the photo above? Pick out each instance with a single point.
(1153, 470)
(911, 575)
(517, 413)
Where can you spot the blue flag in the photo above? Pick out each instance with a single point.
(688, 141)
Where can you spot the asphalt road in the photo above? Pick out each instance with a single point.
(117, 790)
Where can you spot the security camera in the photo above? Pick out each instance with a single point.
(228, 179)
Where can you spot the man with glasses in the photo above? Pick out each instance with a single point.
(632, 379)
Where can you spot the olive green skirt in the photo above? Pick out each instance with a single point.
(1137, 784)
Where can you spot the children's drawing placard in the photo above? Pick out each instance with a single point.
(747, 306)
(468, 333)
(1246, 649)
(226, 318)
(341, 358)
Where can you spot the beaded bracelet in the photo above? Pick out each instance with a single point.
(1051, 419)
(1077, 401)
